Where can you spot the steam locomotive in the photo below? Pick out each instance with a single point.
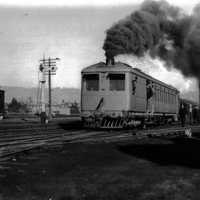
(115, 95)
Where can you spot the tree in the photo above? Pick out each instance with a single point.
(15, 106)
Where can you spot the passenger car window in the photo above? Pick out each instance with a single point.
(91, 82)
(117, 82)
(134, 82)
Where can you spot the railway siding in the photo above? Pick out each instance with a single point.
(13, 142)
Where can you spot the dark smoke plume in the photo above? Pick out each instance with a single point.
(163, 31)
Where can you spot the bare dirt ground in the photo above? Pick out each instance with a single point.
(148, 169)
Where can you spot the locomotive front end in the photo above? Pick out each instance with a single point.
(104, 95)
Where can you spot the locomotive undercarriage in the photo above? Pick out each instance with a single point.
(109, 122)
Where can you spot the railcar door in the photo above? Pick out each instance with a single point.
(132, 91)
(138, 94)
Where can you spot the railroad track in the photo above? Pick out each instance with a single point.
(25, 138)
(9, 146)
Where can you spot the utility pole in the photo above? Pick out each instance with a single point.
(42, 98)
(49, 75)
(49, 69)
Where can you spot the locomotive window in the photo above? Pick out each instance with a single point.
(156, 95)
(117, 82)
(91, 82)
(165, 96)
(172, 99)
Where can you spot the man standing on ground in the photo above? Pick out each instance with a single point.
(182, 113)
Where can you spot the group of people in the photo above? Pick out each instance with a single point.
(190, 113)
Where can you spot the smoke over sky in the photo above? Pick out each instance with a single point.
(161, 30)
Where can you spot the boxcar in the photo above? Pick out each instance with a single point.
(118, 95)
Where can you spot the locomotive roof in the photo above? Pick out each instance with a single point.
(122, 67)
(102, 67)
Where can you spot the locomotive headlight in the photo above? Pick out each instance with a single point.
(125, 113)
(113, 114)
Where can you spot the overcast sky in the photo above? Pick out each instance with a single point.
(73, 30)
(87, 2)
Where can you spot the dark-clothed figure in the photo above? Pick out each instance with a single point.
(182, 114)
(195, 115)
(149, 94)
(43, 118)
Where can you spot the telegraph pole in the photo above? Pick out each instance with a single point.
(42, 98)
(49, 75)
(49, 69)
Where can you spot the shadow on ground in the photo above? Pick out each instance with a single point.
(71, 125)
(181, 151)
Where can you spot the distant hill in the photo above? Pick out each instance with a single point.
(27, 94)
(66, 94)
